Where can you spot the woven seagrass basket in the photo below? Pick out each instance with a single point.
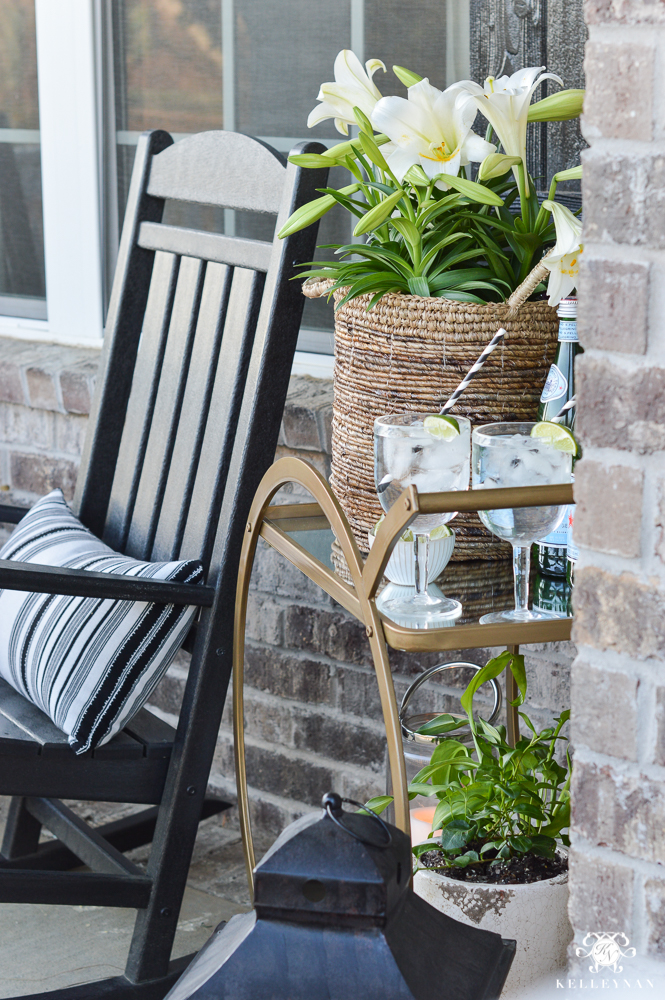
(409, 353)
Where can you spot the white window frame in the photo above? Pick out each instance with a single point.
(77, 139)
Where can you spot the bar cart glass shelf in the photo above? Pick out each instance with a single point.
(303, 533)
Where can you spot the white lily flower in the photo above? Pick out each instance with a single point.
(564, 261)
(432, 128)
(505, 103)
(353, 88)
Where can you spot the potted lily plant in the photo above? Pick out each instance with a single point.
(448, 231)
(496, 856)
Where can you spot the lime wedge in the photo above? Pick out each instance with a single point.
(557, 435)
(442, 427)
(443, 531)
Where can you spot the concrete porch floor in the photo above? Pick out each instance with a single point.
(49, 947)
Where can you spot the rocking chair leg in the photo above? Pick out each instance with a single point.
(21, 832)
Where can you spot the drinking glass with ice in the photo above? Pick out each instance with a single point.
(507, 455)
(432, 453)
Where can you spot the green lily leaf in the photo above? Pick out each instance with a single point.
(470, 189)
(419, 286)
(378, 215)
(408, 230)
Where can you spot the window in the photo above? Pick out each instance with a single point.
(22, 289)
(109, 69)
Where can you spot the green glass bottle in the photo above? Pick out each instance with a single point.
(550, 552)
(551, 594)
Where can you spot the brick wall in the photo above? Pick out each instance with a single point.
(313, 713)
(618, 686)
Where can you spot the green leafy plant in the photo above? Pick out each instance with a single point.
(494, 801)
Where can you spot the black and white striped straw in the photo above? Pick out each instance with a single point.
(564, 410)
(473, 371)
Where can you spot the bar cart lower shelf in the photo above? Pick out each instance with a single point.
(288, 527)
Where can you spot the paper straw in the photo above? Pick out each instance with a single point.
(564, 410)
(472, 372)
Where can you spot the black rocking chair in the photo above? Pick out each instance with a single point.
(199, 345)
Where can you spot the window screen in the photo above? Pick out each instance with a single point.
(255, 66)
(22, 290)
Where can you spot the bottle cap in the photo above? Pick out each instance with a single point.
(567, 309)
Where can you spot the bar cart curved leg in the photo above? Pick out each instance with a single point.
(359, 600)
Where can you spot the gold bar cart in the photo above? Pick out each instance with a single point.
(277, 524)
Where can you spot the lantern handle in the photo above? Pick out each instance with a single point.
(332, 804)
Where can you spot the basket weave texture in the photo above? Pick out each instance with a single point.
(410, 353)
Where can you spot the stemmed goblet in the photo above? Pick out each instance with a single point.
(406, 453)
(506, 455)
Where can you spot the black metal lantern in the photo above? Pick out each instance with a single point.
(335, 918)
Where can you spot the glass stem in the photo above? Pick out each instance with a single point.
(521, 554)
(421, 553)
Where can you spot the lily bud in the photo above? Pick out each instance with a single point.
(364, 124)
(406, 76)
(416, 175)
(372, 151)
(496, 165)
(572, 174)
(312, 160)
(558, 107)
(378, 215)
(349, 148)
(312, 211)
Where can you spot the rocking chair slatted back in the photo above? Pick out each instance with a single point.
(198, 350)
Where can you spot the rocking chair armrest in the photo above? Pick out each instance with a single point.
(10, 514)
(38, 579)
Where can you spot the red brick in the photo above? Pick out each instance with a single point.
(654, 908)
(623, 197)
(596, 695)
(619, 613)
(40, 474)
(624, 12)
(625, 109)
(613, 311)
(75, 390)
(618, 408)
(42, 391)
(608, 517)
(601, 894)
(11, 387)
(620, 810)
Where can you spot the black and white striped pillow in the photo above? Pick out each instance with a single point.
(89, 664)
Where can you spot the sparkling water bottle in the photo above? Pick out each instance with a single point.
(550, 552)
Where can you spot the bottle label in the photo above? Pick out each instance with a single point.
(560, 536)
(573, 551)
(568, 330)
(555, 386)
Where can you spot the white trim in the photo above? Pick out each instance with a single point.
(357, 31)
(68, 113)
(229, 89)
(37, 331)
(317, 365)
(20, 135)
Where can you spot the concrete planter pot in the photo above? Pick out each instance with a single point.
(535, 915)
